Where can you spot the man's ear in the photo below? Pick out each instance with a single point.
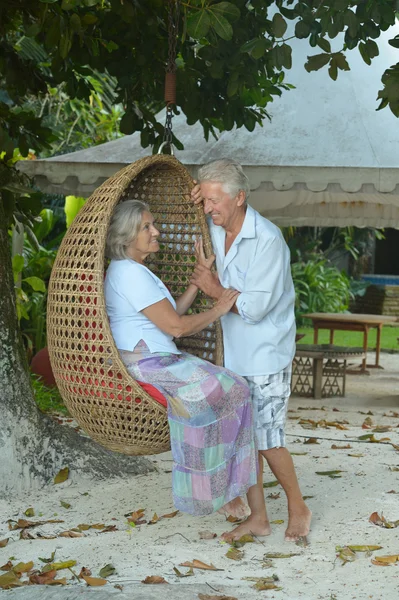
(241, 198)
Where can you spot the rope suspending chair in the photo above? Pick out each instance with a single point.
(98, 391)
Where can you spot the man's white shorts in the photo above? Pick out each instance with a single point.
(270, 394)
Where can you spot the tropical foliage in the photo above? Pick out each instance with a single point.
(319, 287)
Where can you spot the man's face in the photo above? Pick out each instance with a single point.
(217, 203)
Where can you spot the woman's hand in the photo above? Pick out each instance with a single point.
(226, 301)
(200, 254)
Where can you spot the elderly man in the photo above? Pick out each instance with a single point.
(259, 331)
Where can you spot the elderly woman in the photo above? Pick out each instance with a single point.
(209, 407)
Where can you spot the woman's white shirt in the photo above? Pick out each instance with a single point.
(129, 288)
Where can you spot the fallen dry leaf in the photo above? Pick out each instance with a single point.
(94, 581)
(22, 567)
(332, 474)
(311, 441)
(232, 519)
(189, 573)
(356, 455)
(302, 541)
(109, 528)
(346, 447)
(65, 504)
(207, 535)
(264, 583)
(367, 423)
(30, 512)
(385, 560)
(46, 578)
(358, 548)
(170, 515)
(275, 496)
(26, 535)
(107, 571)
(71, 534)
(85, 526)
(277, 522)
(62, 475)
(280, 555)
(48, 560)
(207, 597)
(85, 572)
(198, 564)
(346, 555)
(270, 484)
(392, 492)
(154, 579)
(244, 539)
(154, 519)
(10, 580)
(381, 521)
(24, 524)
(136, 517)
(57, 566)
(234, 554)
(7, 566)
(3, 543)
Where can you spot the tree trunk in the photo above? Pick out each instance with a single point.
(33, 447)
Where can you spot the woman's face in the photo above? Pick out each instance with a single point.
(146, 240)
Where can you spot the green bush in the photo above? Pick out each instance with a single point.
(319, 287)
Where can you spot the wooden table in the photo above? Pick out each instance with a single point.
(349, 322)
(326, 376)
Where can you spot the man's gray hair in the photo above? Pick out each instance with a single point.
(229, 173)
(124, 227)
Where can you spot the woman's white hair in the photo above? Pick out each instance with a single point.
(124, 227)
(229, 173)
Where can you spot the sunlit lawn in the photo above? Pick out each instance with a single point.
(389, 337)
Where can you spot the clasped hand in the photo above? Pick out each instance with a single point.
(202, 275)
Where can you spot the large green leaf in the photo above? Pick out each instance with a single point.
(255, 47)
(36, 283)
(198, 24)
(316, 62)
(73, 204)
(17, 264)
(279, 26)
(221, 25)
(227, 10)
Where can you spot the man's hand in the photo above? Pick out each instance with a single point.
(196, 194)
(207, 281)
(200, 254)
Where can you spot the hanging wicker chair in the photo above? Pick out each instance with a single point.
(97, 389)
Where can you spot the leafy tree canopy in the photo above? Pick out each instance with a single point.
(231, 58)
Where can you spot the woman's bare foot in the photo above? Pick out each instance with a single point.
(235, 508)
(252, 525)
(298, 524)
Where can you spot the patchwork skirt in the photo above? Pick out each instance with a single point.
(211, 427)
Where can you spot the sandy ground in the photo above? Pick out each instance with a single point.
(341, 510)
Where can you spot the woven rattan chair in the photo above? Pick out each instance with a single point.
(99, 392)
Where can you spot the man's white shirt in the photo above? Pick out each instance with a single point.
(261, 339)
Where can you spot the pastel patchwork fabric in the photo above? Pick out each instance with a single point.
(270, 395)
(211, 428)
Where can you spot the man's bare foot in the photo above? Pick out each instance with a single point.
(235, 508)
(252, 525)
(298, 524)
